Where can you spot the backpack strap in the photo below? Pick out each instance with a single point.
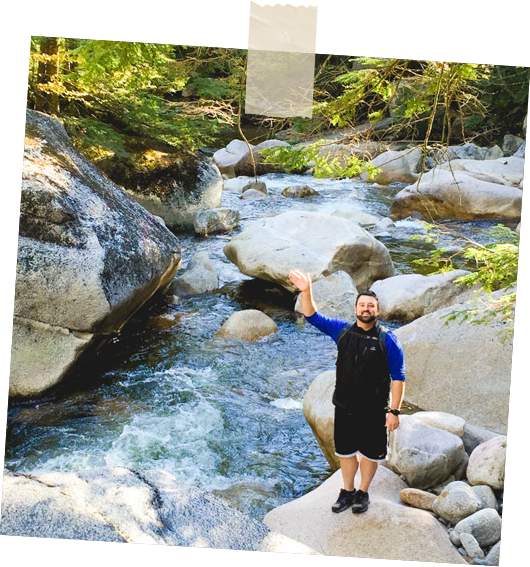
(382, 336)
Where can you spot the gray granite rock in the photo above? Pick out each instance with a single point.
(484, 525)
(422, 454)
(457, 501)
(200, 276)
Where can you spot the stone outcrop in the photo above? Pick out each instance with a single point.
(422, 454)
(89, 256)
(315, 243)
(200, 276)
(122, 505)
(248, 325)
(409, 296)
(201, 187)
(388, 530)
(450, 363)
(471, 192)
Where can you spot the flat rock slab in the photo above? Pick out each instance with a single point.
(388, 530)
(122, 505)
(314, 243)
(459, 194)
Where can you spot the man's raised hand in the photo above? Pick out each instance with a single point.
(300, 280)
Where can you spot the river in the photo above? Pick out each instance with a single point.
(223, 415)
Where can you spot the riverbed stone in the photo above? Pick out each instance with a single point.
(408, 296)
(523, 229)
(244, 165)
(248, 325)
(319, 413)
(510, 144)
(300, 191)
(315, 243)
(422, 454)
(492, 558)
(214, 221)
(486, 495)
(521, 505)
(362, 218)
(255, 185)
(396, 166)
(474, 435)
(88, 257)
(487, 463)
(440, 359)
(460, 194)
(335, 296)
(504, 554)
(122, 505)
(442, 420)
(227, 158)
(410, 534)
(513, 490)
(484, 525)
(417, 498)
(200, 276)
(253, 195)
(457, 501)
(503, 171)
(471, 545)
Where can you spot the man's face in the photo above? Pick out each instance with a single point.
(367, 309)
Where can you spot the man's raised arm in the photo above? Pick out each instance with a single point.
(303, 283)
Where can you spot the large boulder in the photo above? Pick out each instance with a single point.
(200, 276)
(315, 243)
(503, 171)
(450, 363)
(460, 194)
(457, 501)
(523, 229)
(388, 530)
(122, 505)
(335, 296)
(422, 454)
(248, 325)
(199, 185)
(89, 256)
(408, 296)
(487, 463)
(441, 420)
(396, 166)
(484, 526)
(319, 412)
(235, 159)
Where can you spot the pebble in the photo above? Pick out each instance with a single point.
(471, 546)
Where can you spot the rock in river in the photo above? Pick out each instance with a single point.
(316, 243)
(88, 257)
(248, 325)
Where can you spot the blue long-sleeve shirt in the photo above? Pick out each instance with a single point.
(332, 327)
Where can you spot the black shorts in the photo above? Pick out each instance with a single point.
(361, 432)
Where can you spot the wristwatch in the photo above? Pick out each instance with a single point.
(393, 411)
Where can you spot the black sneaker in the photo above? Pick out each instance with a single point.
(360, 502)
(344, 501)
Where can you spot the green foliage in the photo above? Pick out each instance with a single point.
(494, 267)
(95, 139)
(319, 162)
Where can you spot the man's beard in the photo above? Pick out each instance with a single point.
(366, 317)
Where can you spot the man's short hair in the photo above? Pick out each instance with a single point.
(368, 292)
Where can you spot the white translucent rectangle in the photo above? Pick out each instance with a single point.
(280, 83)
(281, 25)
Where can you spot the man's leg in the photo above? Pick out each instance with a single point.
(362, 500)
(368, 470)
(348, 468)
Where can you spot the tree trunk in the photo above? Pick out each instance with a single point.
(47, 99)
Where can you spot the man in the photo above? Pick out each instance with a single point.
(369, 389)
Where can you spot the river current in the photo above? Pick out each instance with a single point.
(223, 415)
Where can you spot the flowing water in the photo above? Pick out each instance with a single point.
(223, 415)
